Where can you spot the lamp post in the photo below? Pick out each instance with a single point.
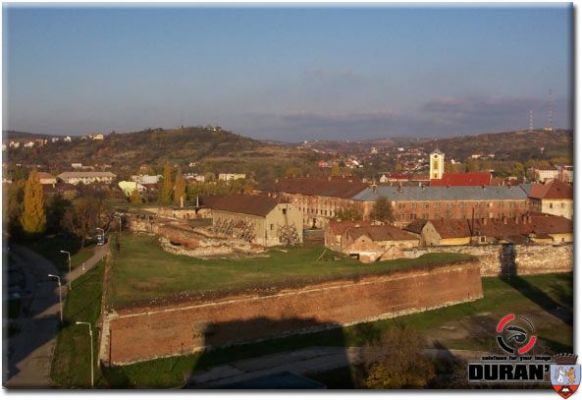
(69, 258)
(91, 338)
(60, 293)
(119, 216)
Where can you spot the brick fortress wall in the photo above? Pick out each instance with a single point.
(138, 335)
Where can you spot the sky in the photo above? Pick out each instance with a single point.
(287, 73)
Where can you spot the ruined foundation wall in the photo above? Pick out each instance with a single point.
(528, 259)
(137, 335)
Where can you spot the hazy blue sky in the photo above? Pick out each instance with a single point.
(286, 73)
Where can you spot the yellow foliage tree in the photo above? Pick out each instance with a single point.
(179, 187)
(33, 219)
(135, 197)
(167, 185)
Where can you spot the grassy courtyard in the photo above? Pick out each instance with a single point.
(142, 270)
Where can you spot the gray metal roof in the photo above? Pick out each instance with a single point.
(435, 193)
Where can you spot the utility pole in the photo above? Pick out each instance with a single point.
(69, 258)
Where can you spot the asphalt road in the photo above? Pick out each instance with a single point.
(28, 354)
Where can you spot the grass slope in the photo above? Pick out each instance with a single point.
(143, 271)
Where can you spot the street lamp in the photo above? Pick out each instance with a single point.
(69, 258)
(91, 338)
(60, 293)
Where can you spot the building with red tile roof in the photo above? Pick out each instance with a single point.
(555, 198)
(463, 179)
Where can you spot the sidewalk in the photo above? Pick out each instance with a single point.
(100, 252)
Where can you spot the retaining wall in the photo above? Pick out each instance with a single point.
(138, 335)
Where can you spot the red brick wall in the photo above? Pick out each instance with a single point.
(158, 332)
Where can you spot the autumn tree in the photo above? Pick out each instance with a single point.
(33, 218)
(12, 204)
(87, 213)
(396, 361)
(179, 187)
(167, 185)
(135, 197)
(349, 214)
(382, 210)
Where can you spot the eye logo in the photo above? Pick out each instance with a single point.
(515, 334)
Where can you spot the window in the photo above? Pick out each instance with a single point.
(284, 211)
(551, 205)
(272, 227)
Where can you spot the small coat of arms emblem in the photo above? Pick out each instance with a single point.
(565, 375)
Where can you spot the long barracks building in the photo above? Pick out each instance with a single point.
(321, 198)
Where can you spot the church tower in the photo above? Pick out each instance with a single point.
(437, 164)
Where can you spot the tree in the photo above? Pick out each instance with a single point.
(89, 212)
(396, 361)
(382, 210)
(13, 199)
(293, 172)
(135, 197)
(33, 219)
(335, 170)
(167, 185)
(179, 187)
(349, 214)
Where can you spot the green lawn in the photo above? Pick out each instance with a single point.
(142, 270)
(50, 247)
(72, 360)
(500, 298)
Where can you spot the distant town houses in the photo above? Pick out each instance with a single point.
(86, 177)
(195, 177)
(564, 173)
(146, 179)
(223, 176)
(46, 179)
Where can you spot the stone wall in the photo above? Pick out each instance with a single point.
(133, 335)
(522, 259)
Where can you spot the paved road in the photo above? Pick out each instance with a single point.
(304, 361)
(301, 362)
(100, 252)
(28, 354)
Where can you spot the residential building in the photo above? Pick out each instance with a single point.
(29, 144)
(368, 242)
(67, 139)
(554, 197)
(231, 177)
(544, 175)
(146, 179)
(46, 179)
(260, 219)
(86, 177)
(527, 228)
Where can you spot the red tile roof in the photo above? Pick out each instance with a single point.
(551, 190)
(242, 204)
(380, 233)
(324, 186)
(339, 227)
(463, 179)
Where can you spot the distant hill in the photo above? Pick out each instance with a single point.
(516, 145)
(211, 148)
